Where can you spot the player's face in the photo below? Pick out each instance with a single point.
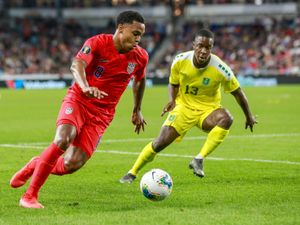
(202, 47)
(130, 35)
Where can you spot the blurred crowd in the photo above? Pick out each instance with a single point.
(30, 46)
(108, 3)
(266, 47)
(80, 3)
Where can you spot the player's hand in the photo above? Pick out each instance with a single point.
(168, 107)
(94, 92)
(138, 120)
(250, 121)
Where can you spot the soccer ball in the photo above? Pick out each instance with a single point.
(156, 185)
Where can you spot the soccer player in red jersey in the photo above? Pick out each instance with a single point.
(102, 70)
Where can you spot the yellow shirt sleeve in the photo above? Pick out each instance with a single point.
(229, 82)
(231, 85)
(174, 76)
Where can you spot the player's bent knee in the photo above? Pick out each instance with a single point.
(73, 165)
(225, 119)
(157, 147)
(159, 144)
(63, 142)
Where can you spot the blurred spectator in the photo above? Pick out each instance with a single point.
(108, 3)
(266, 47)
(81, 3)
(44, 46)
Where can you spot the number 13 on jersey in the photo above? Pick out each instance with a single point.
(191, 90)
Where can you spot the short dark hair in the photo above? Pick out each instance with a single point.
(129, 16)
(205, 33)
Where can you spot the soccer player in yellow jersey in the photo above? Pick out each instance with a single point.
(194, 100)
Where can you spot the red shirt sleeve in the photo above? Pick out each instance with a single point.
(88, 49)
(141, 72)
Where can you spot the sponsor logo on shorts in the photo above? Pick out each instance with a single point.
(68, 110)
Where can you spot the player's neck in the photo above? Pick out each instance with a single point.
(201, 65)
(118, 45)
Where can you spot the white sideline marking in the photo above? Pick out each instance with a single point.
(192, 156)
(27, 146)
(185, 138)
(21, 146)
(204, 137)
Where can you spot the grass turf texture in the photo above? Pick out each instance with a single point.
(234, 191)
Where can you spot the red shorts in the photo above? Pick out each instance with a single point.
(90, 126)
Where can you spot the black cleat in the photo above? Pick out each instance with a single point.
(128, 178)
(197, 166)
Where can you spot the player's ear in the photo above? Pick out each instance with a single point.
(120, 28)
(194, 44)
(212, 43)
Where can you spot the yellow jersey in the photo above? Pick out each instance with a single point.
(201, 87)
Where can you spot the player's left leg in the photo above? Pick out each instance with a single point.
(167, 135)
(73, 160)
(217, 124)
(178, 122)
(82, 147)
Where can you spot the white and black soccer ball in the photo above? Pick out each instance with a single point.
(156, 185)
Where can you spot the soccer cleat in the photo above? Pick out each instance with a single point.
(20, 177)
(197, 166)
(128, 178)
(30, 202)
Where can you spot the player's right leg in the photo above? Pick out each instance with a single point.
(21, 177)
(167, 135)
(217, 123)
(73, 160)
(65, 135)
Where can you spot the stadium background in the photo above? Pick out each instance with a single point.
(259, 39)
(252, 178)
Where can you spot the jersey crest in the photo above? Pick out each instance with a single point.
(69, 110)
(130, 67)
(205, 81)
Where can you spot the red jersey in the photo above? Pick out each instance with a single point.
(108, 70)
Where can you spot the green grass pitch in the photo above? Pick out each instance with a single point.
(252, 178)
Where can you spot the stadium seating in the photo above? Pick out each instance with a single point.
(40, 45)
(38, 42)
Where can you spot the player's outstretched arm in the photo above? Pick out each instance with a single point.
(138, 92)
(173, 91)
(78, 71)
(243, 102)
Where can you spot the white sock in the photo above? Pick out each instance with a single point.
(199, 156)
